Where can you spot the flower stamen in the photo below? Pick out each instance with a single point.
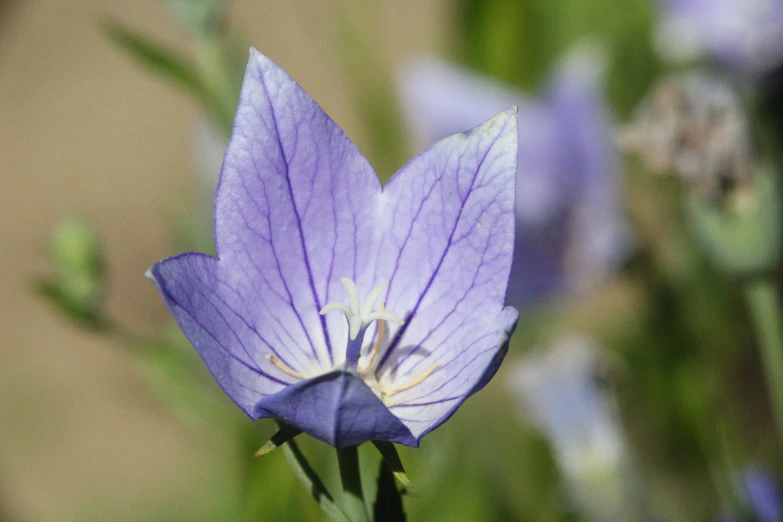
(284, 367)
(359, 317)
(418, 380)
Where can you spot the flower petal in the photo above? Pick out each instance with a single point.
(599, 235)
(337, 408)
(569, 230)
(447, 255)
(293, 213)
(212, 315)
(440, 98)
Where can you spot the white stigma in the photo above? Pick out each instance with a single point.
(359, 317)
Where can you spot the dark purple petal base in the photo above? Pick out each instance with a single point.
(337, 408)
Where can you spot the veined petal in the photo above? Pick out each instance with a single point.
(297, 209)
(293, 212)
(424, 407)
(213, 315)
(440, 99)
(569, 229)
(447, 255)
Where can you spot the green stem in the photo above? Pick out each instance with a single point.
(350, 475)
(312, 482)
(766, 314)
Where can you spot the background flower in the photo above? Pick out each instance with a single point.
(759, 496)
(561, 389)
(569, 230)
(745, 35)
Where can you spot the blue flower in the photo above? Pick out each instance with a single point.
(569, 230)
(350, 311)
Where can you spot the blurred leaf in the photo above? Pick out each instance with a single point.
(79, 283)
(222, 63)
(161, 60)
(743, 235)
(202, 17)
(52, 292)
(312, 482)
(175, 373)
(358, 48)
(518, 42)
(388, 503)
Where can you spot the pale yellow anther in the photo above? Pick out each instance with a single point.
(359, 315)
(414, 382)
(280, 364)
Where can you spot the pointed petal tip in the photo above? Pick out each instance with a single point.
(255, 54)
(150, 274)
(501, 119)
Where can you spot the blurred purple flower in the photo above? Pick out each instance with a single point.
(760, 493)
(745, 35)
(560, 391)
(569, 232)
(302, 224)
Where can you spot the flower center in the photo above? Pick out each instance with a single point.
(359, 318)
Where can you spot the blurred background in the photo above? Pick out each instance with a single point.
(634, 387)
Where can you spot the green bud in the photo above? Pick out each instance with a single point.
(742, 233)
(79, 283)
(75, 247)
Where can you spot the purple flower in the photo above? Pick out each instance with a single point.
(560, 390)
(306, 238)
(759, 492)
(745, 35)
(569, 233)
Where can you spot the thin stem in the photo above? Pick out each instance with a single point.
(312, 482)
(766, 314)
(355, 507)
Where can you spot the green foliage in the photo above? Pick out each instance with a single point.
(79, 283)
(312, 482)
(742, 236)
(165, 62)
(201, 17)
(518, 42)
(684, 349)
(214, 79)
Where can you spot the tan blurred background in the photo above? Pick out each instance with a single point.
(84, 131)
